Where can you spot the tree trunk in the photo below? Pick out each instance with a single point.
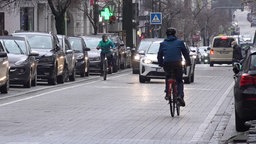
(60, 24)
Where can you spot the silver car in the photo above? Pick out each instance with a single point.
(4, 72)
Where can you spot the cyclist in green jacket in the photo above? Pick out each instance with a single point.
(106, 45)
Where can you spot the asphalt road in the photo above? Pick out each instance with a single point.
(120, 110)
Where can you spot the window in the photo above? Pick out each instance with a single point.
(27, 18)
(13, 47)
(220, 42)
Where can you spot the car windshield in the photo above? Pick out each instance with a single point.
(76, 44)
(154, 47)
(15, 46)
(144, 45)
(222, 42)
(39, 41)
(92, 43)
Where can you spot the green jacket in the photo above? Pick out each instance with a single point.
(106, 46)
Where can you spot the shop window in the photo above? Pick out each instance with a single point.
(27, 18)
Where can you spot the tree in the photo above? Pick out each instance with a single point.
(59, 8)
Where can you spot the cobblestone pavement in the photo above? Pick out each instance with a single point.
(121, 111)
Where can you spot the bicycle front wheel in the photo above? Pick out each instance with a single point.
(105, 69)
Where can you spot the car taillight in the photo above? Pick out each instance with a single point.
(211, 51)
(247, 79)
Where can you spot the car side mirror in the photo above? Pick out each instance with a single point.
(86, 49)
(57, 47)
(193, 50)
(3, 54)
(69, 51)
(121, 44)
(236, 68)
(34, 53)
(208, 48)
(141, 52)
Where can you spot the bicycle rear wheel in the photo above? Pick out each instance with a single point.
(171, 101)
(176, 102)
(105, 69)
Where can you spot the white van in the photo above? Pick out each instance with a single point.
(221, 50)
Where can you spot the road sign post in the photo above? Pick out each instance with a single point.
(155, 19)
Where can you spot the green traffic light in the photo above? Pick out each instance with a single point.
(106, 13)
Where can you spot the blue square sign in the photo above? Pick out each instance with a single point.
(155, 18)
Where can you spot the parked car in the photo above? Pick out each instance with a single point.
(245, 90)
(4, 72)
(23, 64)
(140, 51)
(149, 68)
(195, 51)
(70, 60)
(124, 53)
(94, 54)
(204, 51)
(51, 57)
(81, 54)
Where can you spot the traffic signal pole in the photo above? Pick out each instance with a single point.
(127, 22)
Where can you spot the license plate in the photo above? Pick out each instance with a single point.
(159, 70)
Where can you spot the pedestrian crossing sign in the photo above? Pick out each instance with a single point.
(156, 18)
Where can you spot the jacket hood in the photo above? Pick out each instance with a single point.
(171, 38)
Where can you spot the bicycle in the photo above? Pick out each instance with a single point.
(172, 93)
(105, 67)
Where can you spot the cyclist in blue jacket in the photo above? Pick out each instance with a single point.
(170, 58)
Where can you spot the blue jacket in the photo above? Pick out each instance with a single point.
(171, 50)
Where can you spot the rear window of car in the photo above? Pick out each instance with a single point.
(222, 42)
(253, 62)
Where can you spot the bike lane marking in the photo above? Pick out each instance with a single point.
(53, 91)
(202, 128)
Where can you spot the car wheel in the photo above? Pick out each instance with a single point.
(240, 123)
(4, 89)
(28, 83)
(82, 72)
(211, 64)
(142, 79)
(72, 77)
(34, 81)
(192, 78)
(53, 81)
(62, 78)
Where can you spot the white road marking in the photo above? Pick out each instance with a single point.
(65, 88)
(199, 133)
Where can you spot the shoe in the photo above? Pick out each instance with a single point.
(181, 101)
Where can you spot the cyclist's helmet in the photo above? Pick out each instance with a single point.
(170, 31)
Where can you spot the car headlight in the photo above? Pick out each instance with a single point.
(21, 62)
(137, 57)
(80, 57)
(183, 63)
(194, 56)
(147, 61)
(205, 54)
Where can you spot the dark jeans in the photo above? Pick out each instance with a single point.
(109, 57)
(176, 68)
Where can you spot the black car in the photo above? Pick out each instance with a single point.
(4, 72)
(23, 64)
(81, 54)
(51, 57)
(140, 51)
(245, 90)
(70, 60)
(124, 53)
